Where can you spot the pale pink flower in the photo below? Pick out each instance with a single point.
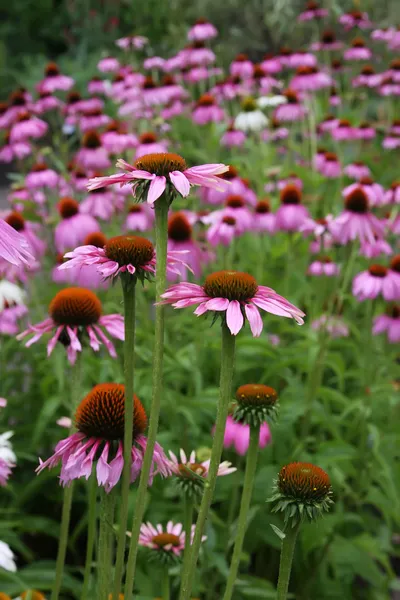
(74, 226)
(293, 110)
(332, 324)
(355, 18)
(264, 219)
(54, 80)
(136, 42)
(356, 221)
(92, 156)
(357, 51)
(140, 218)
(9, 319)
(108, 64)
(309, 79)
(64, 422)
(330, 166)
(377, 280)
(192, 463)
(376, 248)
(389, 324)
(344, 131)
(241, 66)
(76, 315)
(357, 170)
(149, 144)
(291, 214)
(41, 176)
(100, 430)
(392, 196)
(100, 204)
(236, 296)
(170, 541)
(222, 231)
(97, 86)
(180, 239)
(207, 111)
(237, 436)
(153, 174)
(313, 12)
(201, 31)
(14, 151)
(233, 138)
(26, 127)
(46, 102)
(373, 191)
(323, 266)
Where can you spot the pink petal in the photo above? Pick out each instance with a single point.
(180, 182)
(234, 317)
(156, 189)
(254, 318)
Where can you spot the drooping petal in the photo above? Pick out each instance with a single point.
(234, 317)
(156, 189)
(254, 318)
(180, 182)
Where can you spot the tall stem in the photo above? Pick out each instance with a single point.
(161, 226)
(251, 465)
(107, 502)
(166, 587)
(129, 291)
(285, 565)
(68, 492)
(225, 392)
(187, 523)
(90, 535)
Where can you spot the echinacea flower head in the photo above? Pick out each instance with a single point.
(256, 403)
(356, 221)
(152, 175)
(302, 491)
(167, 544)
(378, 279)
(76, 314)
(99, 420)
(234, 295)
(13, 246)
(389, 323)
(191, 472)
(125, 255)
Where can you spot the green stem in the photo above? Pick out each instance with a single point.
(129, 291)
(107, 502)
(161, 227)
(314, 382)
(187, 523)
(166, 586)
(225, 393)
(285, 565)
(90, 535)
(251, 465)
(68, 492)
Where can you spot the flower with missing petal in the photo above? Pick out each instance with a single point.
(153, 174)
(166, 546)
(236, 296)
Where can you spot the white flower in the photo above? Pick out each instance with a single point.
(10, 294)
(271, 101)
(7, 558)
(254, 120)
(6, 451)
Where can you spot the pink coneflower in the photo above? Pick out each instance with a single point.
(97, 86)
(301, 58)
(74, 226)
(185, 465)
(291, 213)
(357, 51)
(41, 176)
(365, 131)
(235, 296)
(154, 62)
(367, 77)
(344, 131)
(389, 87)
(76, 316)
(109, 64)
(9, 317)
(169, 544)
(116, 139)
(140, 218)
(14, 247)
(355, 18)
(222, 231)
(100, 204)
(148, 144)
(293, 110)
(14, 151)
(136, 42)
(172, 109)
(197, 54)
(93, 119)
(241, 66)
(100, 419)
(332, 324)
(233, 138)
(378, 247)
(276, 132)
(124, 254)
(153, 174)
(319, 159)
(334, 98)
(394, 69)
(290, 179)
(26, 127)
(392, 195)
(235, 185)
(46, 102)
(330, 166)
(201, 31)
(375, 281)
(309, 79)
(27, 230)
(92, 155)
(18, 105)
(76, 104)
(207, 111)
(357, 170)
(235, 206)
(323, 266)
(271, 64)
(389, 323)
(391, 142)
(82, 275)
(374, 191)
(54, 80)
(395, 127)
(356, 221)
(264, 219)
(313, 12)
(180, 239)
(237, 436)
(328, 42)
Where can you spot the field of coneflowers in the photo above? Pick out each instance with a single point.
(200, 322)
